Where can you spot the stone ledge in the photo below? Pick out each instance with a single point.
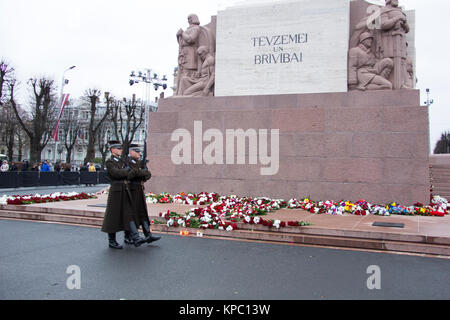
(368, 99)
(53, 210)
(51, 217)
(343, 242)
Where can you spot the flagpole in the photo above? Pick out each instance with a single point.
(63, 83)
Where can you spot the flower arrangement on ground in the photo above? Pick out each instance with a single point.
(223, 213)
(37, 198)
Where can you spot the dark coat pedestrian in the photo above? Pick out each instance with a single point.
(25, 166)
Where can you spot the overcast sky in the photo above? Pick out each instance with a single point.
(107, 39)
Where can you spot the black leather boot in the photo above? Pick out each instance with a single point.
(112, 242)
(134, 234)
(127, 238)
(148, 235)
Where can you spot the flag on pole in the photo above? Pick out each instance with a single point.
(65, 97)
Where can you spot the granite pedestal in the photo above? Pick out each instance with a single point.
(332, 146)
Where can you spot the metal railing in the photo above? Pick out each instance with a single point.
(12, 180)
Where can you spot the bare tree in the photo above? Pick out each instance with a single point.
(21, 138)
(97, 119)
(127, 117)
(70, 125)
(8, 122)
(102, 143)
(6, 74)
(10, 129)
(43, 114)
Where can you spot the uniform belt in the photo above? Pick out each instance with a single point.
(118, 182)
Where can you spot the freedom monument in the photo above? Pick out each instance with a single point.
(295, 99)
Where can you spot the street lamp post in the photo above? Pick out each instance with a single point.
(63, 83)
(428, 103)
(150, 79)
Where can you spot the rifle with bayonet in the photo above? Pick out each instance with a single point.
(144, 156)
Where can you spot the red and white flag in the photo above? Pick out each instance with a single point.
(65, 98)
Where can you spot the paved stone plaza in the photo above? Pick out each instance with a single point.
(34, 266)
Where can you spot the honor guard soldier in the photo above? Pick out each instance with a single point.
(119, 215)
(138, 175)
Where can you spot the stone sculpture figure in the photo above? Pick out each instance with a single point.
(200, 84)
(365, 73)
(188, 44)
(387, 48)
(190, 63)
(410, 81)
(391, 40)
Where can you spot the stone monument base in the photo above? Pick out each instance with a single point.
(333, 146)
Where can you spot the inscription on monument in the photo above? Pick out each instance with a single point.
(278, 45)
(284, 47)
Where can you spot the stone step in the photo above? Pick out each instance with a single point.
(441, 189)
(359, 234)
(441, 178)
(370, 235)
(440, 166)
(441, 192)
(435, 174)
(329, 241)
(51, 217)
(62, 211)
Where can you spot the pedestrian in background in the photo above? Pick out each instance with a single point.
(85, 167)
(92, 168)
(45, 167)
(25, 166)
(5, 166)
(13, 167)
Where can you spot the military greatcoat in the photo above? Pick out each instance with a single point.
(120, 210)
(138, 176)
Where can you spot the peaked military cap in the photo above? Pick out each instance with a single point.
(135, 148)
(115, 144)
